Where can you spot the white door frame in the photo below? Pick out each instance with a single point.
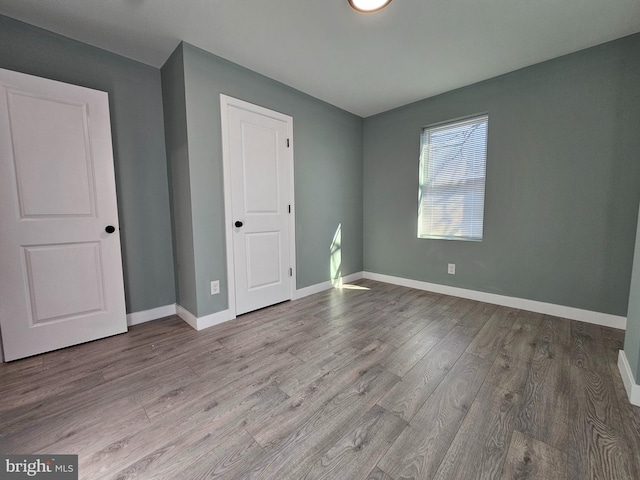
(226, 102)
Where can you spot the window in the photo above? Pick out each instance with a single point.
(453, 160)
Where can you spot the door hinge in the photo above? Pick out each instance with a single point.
(291, 272)
(287, 143)
(289, 208)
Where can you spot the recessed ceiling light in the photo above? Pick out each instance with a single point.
(369, 5)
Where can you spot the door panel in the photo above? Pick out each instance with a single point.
(61, 277)
(260, 166)
(260, 169)
(56, 273)
(263, 259)
(54, 174)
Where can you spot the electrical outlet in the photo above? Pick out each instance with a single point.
(215, 287)
(451, 269)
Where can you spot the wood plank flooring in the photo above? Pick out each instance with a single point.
(369, 382)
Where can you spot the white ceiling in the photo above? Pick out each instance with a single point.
(363, 63)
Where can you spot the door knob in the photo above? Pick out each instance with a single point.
(238, 224)
(110, 229)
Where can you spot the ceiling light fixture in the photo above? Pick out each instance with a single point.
(368, 6)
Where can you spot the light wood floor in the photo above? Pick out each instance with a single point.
(377, 382)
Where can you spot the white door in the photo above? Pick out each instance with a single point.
(259, 160)
(60, 270)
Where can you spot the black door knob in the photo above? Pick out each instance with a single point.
(110, 229)
(238, 224)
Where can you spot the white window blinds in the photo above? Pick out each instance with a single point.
(453, 159)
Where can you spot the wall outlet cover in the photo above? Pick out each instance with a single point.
(451, 269)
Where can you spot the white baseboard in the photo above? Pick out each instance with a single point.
(321, 287)
(630, 385)
(152, 314)
(603, 319)
(136, 318)
(200, 323)
(534, 306)
(225, 315)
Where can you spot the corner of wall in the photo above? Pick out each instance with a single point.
(630, 384)
(200, 323)
(632, 335)
(176, 140)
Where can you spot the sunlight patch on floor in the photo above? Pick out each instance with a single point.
(349, 286)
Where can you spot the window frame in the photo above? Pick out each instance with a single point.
(421, 183)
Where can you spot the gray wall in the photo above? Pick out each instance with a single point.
(562, 191)
(138, 143)
(632, 335)
(328, 172)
